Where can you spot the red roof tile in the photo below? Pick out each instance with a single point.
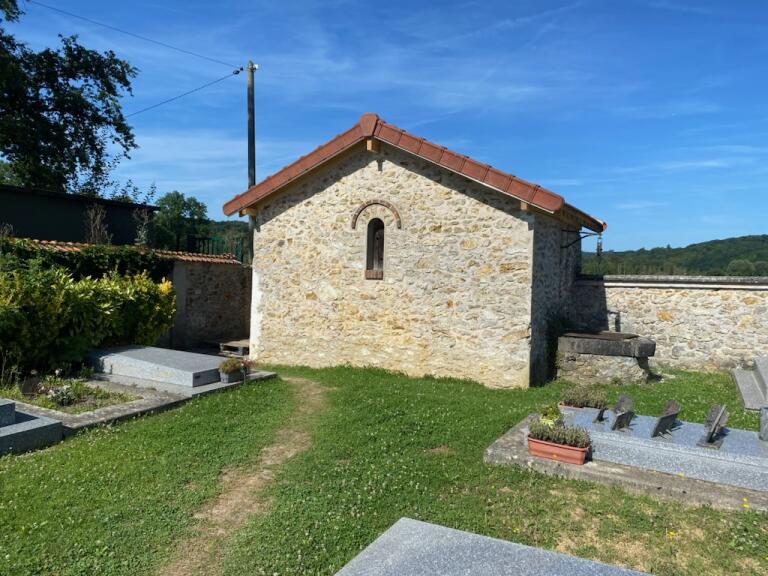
(370, 125)
(61, 246)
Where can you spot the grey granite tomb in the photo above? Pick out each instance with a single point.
(741, 459)
(414, 548)
(21, 432)
(174, 371)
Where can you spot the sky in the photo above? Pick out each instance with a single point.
(649, 114)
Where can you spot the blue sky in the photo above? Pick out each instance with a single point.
(649, 114)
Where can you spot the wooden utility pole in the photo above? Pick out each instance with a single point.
(251, 153)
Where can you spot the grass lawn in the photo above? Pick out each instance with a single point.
(111, 501)
(391, 446)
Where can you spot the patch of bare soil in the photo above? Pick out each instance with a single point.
(242, 490)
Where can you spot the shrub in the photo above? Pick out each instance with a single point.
(47, 318)
(585, 397)
(231, 365)
(559, 434)
(93, 261)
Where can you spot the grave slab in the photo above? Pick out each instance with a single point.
(415, 548)
(752, 395)
(7, 410)
(28, 432)
(741, 460)
(184, 391)
(511, 449)
(157, 364)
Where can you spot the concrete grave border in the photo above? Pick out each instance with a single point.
(511, 448)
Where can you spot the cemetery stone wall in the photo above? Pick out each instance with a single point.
(713, 323)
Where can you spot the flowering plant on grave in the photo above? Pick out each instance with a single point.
(559, 433)
(550, 415)
(232, 365)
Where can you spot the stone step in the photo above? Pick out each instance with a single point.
(157, 365)
(761, 374)
(752, 393)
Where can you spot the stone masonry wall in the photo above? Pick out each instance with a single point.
(456, 295)
(556, 257)
(212, 303)
(697, 322)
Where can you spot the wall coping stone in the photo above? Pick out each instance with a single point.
(691, 282)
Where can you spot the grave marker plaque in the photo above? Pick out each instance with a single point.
(713, 427)
(763, 434)
(624, 404)
(667, 419)
(624, 412)
(622, 420)
(600, 417)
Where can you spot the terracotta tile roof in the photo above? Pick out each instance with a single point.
(371, 126)
(61, 246)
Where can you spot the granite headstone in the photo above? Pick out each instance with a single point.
(763, 433)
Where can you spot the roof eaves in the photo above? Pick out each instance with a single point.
(370, 125)
(295, 170)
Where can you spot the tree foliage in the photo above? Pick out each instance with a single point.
(179, 219)
(742, 256)
(60, 112)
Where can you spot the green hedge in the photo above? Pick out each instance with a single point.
(94, 261)
(48, 318)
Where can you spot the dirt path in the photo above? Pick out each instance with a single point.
(242, 490)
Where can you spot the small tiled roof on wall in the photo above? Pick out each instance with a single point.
(57, 246)
(371, 126)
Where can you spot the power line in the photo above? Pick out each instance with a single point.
(121, 31)
(233, 73)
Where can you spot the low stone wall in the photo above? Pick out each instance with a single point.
(697, 322)
(594, 369)
(213, 303)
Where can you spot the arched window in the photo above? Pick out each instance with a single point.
(374, 257)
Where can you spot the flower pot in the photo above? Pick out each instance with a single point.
(559, 452)
(230, 377)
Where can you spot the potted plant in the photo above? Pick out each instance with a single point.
(231, 370)
(585, 397)
(558, 442)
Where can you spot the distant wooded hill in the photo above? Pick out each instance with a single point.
(742, 256)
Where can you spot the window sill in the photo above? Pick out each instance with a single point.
(374, 274)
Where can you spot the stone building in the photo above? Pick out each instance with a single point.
(380, 248)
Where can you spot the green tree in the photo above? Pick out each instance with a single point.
(7, 176)
(761, 268)
(178, 219)
(60, 112)
(740, 267)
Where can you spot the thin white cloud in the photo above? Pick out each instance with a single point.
(640, 205)
(684, 8)
(672, 109)
(561, 182)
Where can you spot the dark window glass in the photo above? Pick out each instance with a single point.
(375, 247)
